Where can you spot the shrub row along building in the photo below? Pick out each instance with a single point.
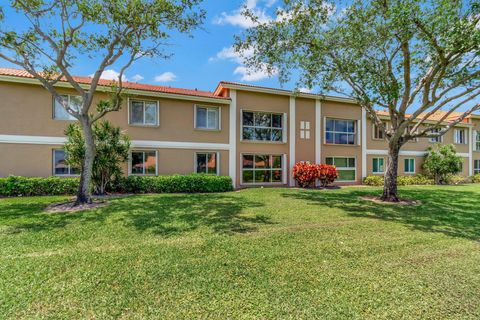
(253, 134)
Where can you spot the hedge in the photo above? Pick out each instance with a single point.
(194, 183)
(418, 179)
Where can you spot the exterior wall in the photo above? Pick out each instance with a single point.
(305, 148)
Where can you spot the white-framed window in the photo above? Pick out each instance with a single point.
(477, 141)
(143, 162)
(347, 170)
(378, 165)
(207, 162)
(143, 113)
(459, 136)
(262, 168)
(476, 166)
(59, 112)
(305, 130)
(60, 165)
(409, 165)
(378, 134)
(262, 126)
(338, 131)
(207, 118)
(436, 139)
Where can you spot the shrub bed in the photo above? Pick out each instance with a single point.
(418, 179)
(306, 173)
(14, 186)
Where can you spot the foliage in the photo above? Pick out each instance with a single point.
(306, 173)
(191, 183)
(111, 149)
(14, 186)
(442, 160)
(401, 180)
(376, 181)
(455, 179)
(475, 178)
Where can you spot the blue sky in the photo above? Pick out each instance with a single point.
(198, 62)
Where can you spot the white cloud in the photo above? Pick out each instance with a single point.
(137, 78)
(110, 74)
(229, 53)
(250, 75)
(166, 77)
(305, 90)
(235, 17)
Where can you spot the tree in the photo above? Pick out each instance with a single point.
(442, 160)
(106, 33)
(111, 146)
(411, 58)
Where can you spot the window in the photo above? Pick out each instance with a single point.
(143, 163)
(59, 112)
(144, 113)
(409, 165)
(262, 168)
(207, 118)
(378, 134)
(206, 163)
(476, 166)
(60, 165)
(345, 166)
(436, 139)
(459, 136)
(408, 130)
(261, 126)
(378, 165)
(305, 130)
(477, 141)
(340, 131)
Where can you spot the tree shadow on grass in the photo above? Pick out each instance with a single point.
(447, 211)
(175, 214)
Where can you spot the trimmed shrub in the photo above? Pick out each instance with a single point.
(456, 179)
(475, 178)
(24, 186)
(327, 174)
(193, 183)
(373, 181)
(14, 186)
(305, 174)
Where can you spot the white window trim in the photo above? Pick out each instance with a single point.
(455, 140)
(431, 140)
(53, 166)
(219, 115)
(129, 100)
(355, 133)
(476, 141)
(477, 169)
(373, 132)
(414, 166)
(217, 159)
(345, 168)
(284, 169)
(140, 174)
(373, 168)
(53, 108)
(284, 127)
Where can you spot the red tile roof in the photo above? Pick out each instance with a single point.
(435, 116)
(128, 85)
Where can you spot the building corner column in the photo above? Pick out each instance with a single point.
(232, 139)
(364, 143)
(470, 150)
(318, 135)
(292, 131)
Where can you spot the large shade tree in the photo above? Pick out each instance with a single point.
(55, 34)
(410, 58)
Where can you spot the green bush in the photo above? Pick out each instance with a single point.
(456, 179)
(192, 183)
(475, 178)
(23, 186)
(373, 181)
(14, 186)
(418, 179)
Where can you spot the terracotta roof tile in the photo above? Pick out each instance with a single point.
(434, 117)
(127, 85)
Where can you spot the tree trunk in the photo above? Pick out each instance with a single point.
(84, 193)
(390, 193)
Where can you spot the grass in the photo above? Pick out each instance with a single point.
(257, 253)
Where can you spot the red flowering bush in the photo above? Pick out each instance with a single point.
(305, 173)
(327, 174)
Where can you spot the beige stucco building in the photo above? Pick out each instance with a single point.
(253, 134)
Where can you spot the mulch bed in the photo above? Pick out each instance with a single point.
(402, 202)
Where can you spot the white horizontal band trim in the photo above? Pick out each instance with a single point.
(21, 139)
(407, 153)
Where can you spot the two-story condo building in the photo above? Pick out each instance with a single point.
(253, 134)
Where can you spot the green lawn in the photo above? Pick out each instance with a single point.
(257, 253)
